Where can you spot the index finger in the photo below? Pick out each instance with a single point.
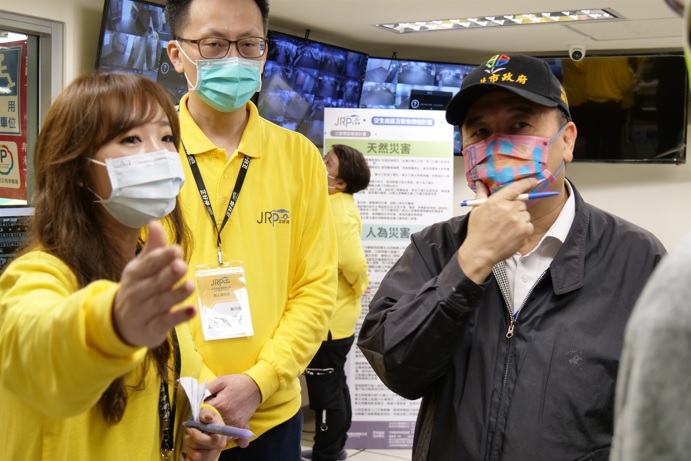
(513, 190)
(156, 238)
(481, 190)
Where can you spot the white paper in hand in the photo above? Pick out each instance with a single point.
(196, 393)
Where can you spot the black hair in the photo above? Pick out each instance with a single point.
(562, 117)
(352, 168)
(177, 14)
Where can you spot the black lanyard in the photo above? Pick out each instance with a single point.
(165, 413)
(205, 196)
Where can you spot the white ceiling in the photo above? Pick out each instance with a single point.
(647, 26)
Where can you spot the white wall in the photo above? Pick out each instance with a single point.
(656, 197)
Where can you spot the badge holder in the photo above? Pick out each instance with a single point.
(223, 301)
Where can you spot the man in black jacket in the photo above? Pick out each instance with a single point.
(508, 321)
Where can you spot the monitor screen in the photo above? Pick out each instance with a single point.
(418, 85)
(627, 108)
(133, 39)
(302, 77)
(14, 225)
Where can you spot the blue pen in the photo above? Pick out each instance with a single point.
(522, 197)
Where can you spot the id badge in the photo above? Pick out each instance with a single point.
(223, 302)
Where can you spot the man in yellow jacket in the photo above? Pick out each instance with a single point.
(264, 239)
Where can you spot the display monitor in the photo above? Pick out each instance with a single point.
(302, 77)
(417, 85)
(133, 39)
(14, 225)
(627, 108)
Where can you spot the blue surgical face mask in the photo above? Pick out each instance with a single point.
(226, 84)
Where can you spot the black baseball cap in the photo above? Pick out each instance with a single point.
(528, 77)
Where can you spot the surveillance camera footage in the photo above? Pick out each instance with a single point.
(302, 77)
(133, 39)
(418, 85)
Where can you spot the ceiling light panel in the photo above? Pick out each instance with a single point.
(500, 21)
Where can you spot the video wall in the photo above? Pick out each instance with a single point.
(645, 122)
(396, 84)
(133, 39)
(302, 77)
(417, 85)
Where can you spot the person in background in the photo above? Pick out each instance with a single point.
(153, 49)
(348, 173)
(573, 80)
(89, 348)
(258, 200)
(609, 84)
(508, 321)
(653, 403)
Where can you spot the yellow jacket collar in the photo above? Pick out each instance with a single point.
(196, 142)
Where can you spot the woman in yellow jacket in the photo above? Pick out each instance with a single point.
(89, 349)
(347, 173)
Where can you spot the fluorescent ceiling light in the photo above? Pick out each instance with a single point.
(498, 21)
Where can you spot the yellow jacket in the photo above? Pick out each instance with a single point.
(58, 354)
(352, 266)
(282, 231)
(608, 79)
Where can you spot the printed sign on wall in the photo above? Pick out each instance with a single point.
(410, 155)
(13, 101)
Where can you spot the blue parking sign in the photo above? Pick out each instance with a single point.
(9, 71)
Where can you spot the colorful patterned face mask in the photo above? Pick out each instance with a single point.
(503, 158)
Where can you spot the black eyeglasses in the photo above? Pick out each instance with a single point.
(217, 48)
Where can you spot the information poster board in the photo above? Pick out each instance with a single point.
(410, 155)
(13, 102)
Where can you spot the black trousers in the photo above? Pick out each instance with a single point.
(280, 443)
(329, 398)
(603, 129)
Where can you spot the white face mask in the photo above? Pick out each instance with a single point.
(144, 186)
(331, 177)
